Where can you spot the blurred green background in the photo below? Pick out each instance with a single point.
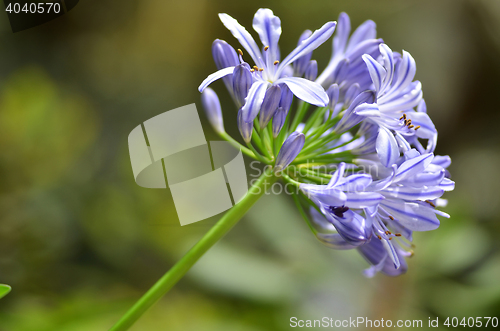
(80, 241)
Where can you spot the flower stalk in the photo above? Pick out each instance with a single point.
(165, 283)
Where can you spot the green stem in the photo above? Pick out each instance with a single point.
(236, 144)
(303, 213)
(165, 283)
(259, 156)
(299, 115)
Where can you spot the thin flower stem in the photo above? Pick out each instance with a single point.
(325, 158)
(317, 174)
(256, 139)
(299, 115)
(283, 133)
(312, 120)
(268, 140)
(303, 213)
(259, 156)
(290, 180)
(213, 235)
(236, 144)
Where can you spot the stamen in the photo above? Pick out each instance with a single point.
(430, 203)
(276, 62)
(266, 48)
(240, 52)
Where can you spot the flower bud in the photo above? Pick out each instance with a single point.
(244, 127)
(340, 71)
(301, 63)
(311, 70)
(269, 105)
(278, 121)
(350, 94)
(286, 98)
(242, 81)
(333, 96)
(224, 55)
(290, 149)
(212, 108)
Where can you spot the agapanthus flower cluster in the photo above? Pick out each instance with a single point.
(359, 146)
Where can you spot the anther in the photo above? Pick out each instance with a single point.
(240, 52)
(397, 234)
(276, 62)
(406, 122)
(261, 69)
(430, 203)
(379, 237)
(411, 253)
(392, 218)
(390, 238)
(417, 127)
(256, 68)
(409, 121)
(251, 70)
(401, 118)
(404, 116)
(266, 48)
(410, 126)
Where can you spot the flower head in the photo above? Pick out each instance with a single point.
(361, 153)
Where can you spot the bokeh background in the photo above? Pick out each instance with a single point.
(80, 241)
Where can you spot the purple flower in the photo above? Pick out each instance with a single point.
(268, 70)
(346, 65)
(290, 149)
(213, 110)
(269, 105)
(342, 201)
(244, 127)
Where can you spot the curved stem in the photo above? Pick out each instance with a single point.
(165, 283)
(236, 144)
